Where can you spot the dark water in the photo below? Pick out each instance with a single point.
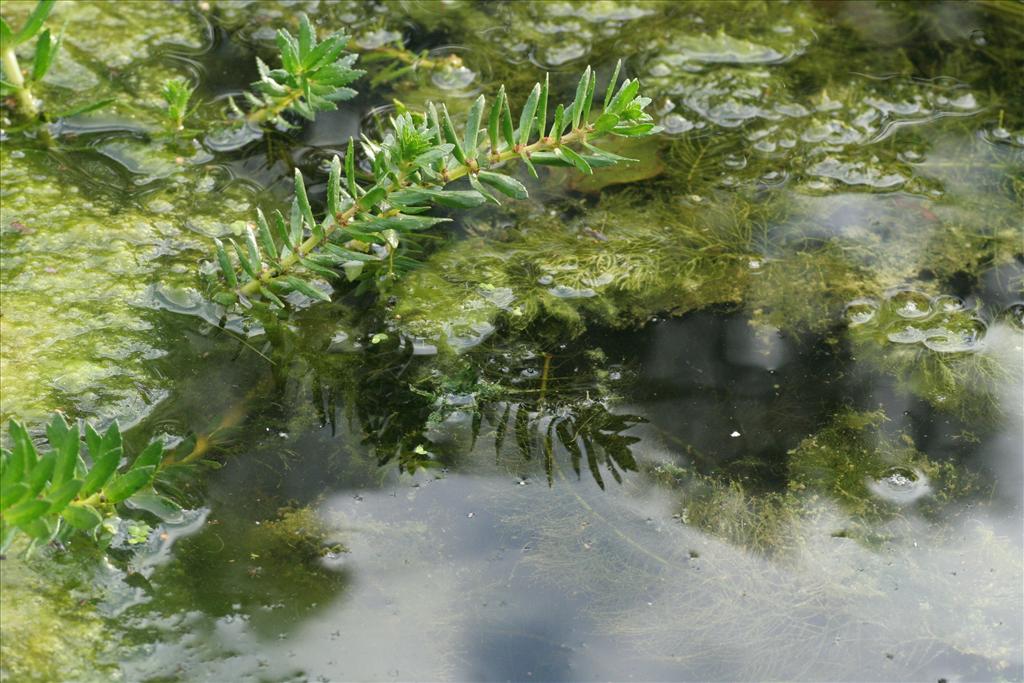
(774, 432)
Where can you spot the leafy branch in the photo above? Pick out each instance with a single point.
(312, 77)
(412, 166)
(60, 492)
(18, 84)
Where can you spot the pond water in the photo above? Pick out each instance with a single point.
(750, 408)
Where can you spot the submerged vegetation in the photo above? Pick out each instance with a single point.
(742, 344)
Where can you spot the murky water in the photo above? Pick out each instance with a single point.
(749, 409)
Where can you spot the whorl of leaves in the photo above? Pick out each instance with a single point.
(67, 489)
(312, 77)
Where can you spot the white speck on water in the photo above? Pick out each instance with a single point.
(734, 434)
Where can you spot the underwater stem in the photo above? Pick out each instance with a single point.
(342, 219)
(26, 102)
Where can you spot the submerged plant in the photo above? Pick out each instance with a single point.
(177, 93)
(412, 166)
(16, 84)
(58, 493)
(313, 76)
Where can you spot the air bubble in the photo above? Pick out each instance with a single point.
(861, 311)
(910, 304)
(948, 304)
(957, 336)
(900, 485)
(905, 333)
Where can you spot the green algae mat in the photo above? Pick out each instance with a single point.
(532, 341)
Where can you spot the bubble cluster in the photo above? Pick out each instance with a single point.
(942, 323)
(900, 485)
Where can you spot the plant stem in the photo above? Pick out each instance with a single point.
(26, 103)
(267, 113)
(343, 218)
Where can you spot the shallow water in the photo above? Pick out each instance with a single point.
(749, 409)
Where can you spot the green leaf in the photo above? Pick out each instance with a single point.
(243, 260)
(610, 156)
(128, 483)
(626, 93)
(93, 441)
(431, 155)
(506, 123)
(588, 99)
(41, 473)
(40, 528)
(326, 52)
(456, 199)
(150, 455)
(529, 164)
(576, 108)
(266, 238)
(576, 160)
(449, 135)
(494, 119)
(526, 120)
(274, 299)
(253, 247)
(549, 159)
(473, 119)
(334, 188)
(478, 186)
(611, 87)
(303, 287)
(102, 469)
(605, 122)
(57, 430)
(84, 108)
(65, 443)
(6, 35)
(46, 50)
(558, 125)
(25, 511)
(636, 131)
(111, 437)
(82, 517)
(542, 108)
(350, 168)
(372, 197)
(282, 231)
(23, 455)
(60, 497)
(307, 37)
(289, 51)
(343, 254)
(34, 22)
(311, 264)
(225, 264)
(11, 494)
(504, 184)
(398, 222)
(303, 200)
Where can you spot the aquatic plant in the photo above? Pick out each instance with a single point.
(312, 77)
(412, 166)
(177, 93)
(58, 493)
(16, 84)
